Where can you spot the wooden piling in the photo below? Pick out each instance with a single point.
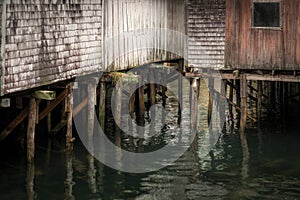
(272, 95)
(298, 90)
(31, 130)
(164, 99)
(238, 99)
(132, 100)
(180, 94)
(69, 111)
(211, 86)
(284, 105)
(49, 120)
(118, 114)
(231, 100)
(102, 101)
(259, 100)
(140, 99)
(194, 103)
(251, 87)
(91, 110)
(222, 104)
(152, 88)
(244, 95)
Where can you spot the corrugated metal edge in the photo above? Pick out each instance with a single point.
(3, 40)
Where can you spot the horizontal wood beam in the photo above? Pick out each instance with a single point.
(45, 95)
(267, 77)
(249, 76)
(217, 75)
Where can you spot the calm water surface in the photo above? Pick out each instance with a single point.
(265, 164)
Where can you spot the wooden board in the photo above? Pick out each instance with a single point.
(262, 48)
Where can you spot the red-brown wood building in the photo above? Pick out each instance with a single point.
(244, 34)
(263, 34)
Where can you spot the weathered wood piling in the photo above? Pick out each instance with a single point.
(31, 129)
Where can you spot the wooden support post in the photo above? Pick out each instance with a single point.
(272, 96)
(238, 99)
(180, 83)
(132, 101)
(19, 102)
(140, 99)
(152, 88)
(231, 100)
(211, 86)
(164, 98)
(251, 87)
(69, 111)
(222, 104)
(49, 121)
(244, 95)
(102, 102)
(131, 106)
(91, 111)
(194, 103)
(298, 90)
(281, 97)
(259, 100)
(152, 101)
(31, 130)
(118, 114)
(285, 100)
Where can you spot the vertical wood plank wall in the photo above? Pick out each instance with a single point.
(132, 25)
(206, 31)
(250, 48)
(51, 40)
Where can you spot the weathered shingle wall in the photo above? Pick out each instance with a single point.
(1, 11)
(51, 40)
(206, 32)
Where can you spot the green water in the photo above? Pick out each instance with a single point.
(263, 164)
(272, 171)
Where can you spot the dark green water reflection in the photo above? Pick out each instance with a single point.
(272, 170)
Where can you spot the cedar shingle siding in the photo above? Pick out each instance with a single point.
(50, 40)
(206, 31)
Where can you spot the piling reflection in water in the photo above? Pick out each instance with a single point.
(69, 183)
(30, 181)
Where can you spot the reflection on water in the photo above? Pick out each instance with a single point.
(263, 163)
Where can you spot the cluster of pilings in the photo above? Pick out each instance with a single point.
(249, 95)
(54, 106)
(246, 97)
